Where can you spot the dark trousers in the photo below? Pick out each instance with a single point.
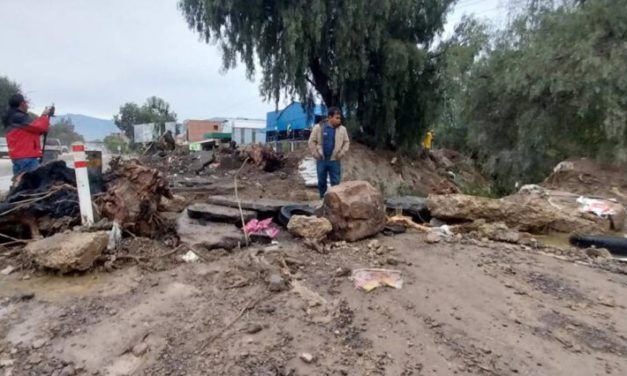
(332, 169)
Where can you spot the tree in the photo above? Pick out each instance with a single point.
(550, 86)
(7, 89)
(154, 110)
(65, 132)
(116, 143)
(371, 60)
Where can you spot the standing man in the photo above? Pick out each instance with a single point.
(328, 143)
(24, 134)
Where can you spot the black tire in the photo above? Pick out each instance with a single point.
(615, 244)
(288, 211)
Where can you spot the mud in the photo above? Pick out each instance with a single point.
(467, 307)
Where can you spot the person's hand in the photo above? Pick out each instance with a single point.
(318, 156)
(49, 111)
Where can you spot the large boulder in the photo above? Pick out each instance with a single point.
(355, 209)
(309, 227)
(69, 251)
(534, 213)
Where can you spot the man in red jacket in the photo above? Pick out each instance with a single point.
(24, 134)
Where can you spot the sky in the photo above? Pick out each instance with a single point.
(90, 57)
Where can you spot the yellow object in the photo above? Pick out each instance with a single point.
(428, 141)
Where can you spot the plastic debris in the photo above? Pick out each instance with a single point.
(8, 270)
(190, 257)
(370, 279)
(264, 227)
(115, 236)
(599, 207)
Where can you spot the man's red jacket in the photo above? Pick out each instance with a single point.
(24, 134)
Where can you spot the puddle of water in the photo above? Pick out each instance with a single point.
(556, 239)
(59, 288)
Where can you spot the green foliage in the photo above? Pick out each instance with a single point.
(117, 143)
(7, 89)
(154, 110)
(65, 132)
(549, 87)
(370, 59)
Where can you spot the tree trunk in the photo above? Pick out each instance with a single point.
(321, 83)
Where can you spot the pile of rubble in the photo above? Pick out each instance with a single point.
(44, 207)
(139, 200)
(222, 157)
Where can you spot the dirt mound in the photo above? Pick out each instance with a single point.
(590, 178)
(444, 171)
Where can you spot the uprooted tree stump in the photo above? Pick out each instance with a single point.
(133, 195)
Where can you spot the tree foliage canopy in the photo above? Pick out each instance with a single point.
(154, 110)
(7, 89)
(116, 143)
(64, 130)
(552, 85)
(369, 58)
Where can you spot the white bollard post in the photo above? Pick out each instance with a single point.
(82, 183)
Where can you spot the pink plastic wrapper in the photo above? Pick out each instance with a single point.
(265, 227)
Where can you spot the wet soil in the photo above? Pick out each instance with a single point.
(466, 307)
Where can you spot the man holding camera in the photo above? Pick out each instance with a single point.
(24, 134)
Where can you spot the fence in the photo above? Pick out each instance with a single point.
(285, 146)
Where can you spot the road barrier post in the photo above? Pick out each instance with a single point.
(82, 183)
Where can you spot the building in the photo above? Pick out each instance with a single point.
(197, 129)
(247, 131)
(292, 122)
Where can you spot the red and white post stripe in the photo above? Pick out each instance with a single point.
(82, 183)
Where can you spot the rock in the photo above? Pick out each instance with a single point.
(8, 270)
(433, 238)
(598, 253)
(374, 245)
(524, 212)
(342, 272)
(252, 328)
(307, 358)
(393, 261)
(355, 210)
(309, 227)
(140, 349)
(6, 362)
(68, 371)
(210, 235)
(39, 343)
(276, 283)
(69, 251)
(216, 213)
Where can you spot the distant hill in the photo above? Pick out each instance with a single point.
(90, 128)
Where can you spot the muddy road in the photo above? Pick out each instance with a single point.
(466, 307)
